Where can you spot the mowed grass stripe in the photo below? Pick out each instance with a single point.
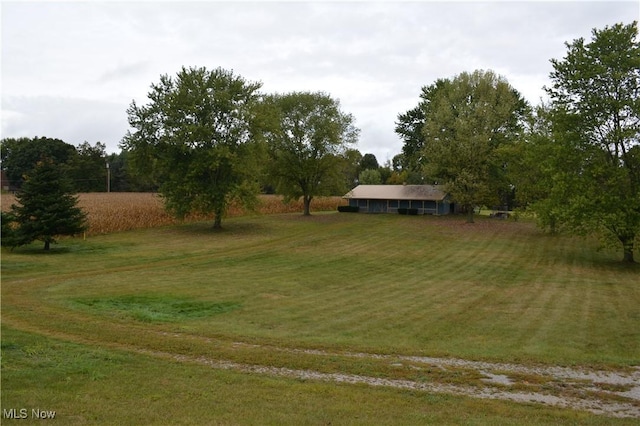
(415, 285)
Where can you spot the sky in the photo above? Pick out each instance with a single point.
(70, 69)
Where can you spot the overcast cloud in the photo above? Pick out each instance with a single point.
(70, 69)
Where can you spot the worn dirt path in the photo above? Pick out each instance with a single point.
(614, 393)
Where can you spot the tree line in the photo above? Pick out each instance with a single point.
(91, 169)
(86, 166)
(206, 138)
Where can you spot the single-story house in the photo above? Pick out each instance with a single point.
(422, 199)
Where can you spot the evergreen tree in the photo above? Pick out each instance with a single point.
(48, 208)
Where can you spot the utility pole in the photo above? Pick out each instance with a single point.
(108, 178)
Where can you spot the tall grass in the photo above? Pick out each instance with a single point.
(124, 211)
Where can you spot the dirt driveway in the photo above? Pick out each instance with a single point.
(614, 393)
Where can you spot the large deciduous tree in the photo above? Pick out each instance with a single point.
(532, 161)
(307, 144)
(351, 167)
(195, 138)
(409, 126)
(370, 177)
(47, 208)
(87, 169)
(468, 120)
(595, 96)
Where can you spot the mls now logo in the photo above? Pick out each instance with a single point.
(23, 413)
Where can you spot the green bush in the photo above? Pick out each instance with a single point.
(403, 210)
(348, 209)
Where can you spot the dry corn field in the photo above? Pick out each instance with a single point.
(123, 211)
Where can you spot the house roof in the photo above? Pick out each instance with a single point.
(397, 192)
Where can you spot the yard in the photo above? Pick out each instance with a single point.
(335, 318)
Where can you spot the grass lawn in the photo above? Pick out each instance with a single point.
(110, 330)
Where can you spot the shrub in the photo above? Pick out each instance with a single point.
(403, 210)
(348, 209)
